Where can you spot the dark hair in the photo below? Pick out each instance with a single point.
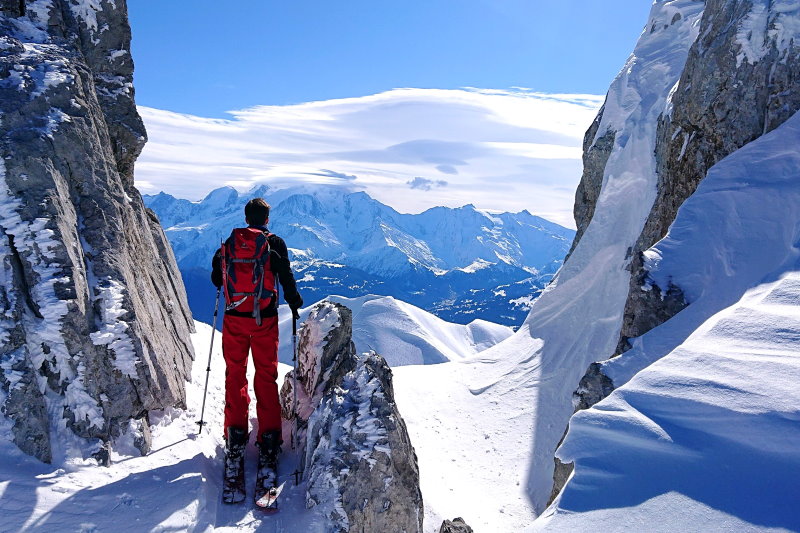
(256, 212)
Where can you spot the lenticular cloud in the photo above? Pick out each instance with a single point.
(504, 150)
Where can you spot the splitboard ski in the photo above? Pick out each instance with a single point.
(269, 500)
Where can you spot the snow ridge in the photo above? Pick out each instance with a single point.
(405, 334)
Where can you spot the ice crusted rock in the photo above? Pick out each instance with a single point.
(359, 465)
(93, 316)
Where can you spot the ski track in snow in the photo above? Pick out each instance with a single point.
(177, 487)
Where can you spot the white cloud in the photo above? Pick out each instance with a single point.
(499, 150)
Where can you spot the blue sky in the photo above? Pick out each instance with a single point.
(202, 58)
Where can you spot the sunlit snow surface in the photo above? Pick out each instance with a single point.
(708, 437)
(404, 334)
(177, 487)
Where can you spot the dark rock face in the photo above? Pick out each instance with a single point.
(457, 525)
(647, 306)
(596, 152)
(95, 322)
(730, 93)
(594, 386)
(359, 465)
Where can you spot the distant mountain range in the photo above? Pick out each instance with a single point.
(460, 264)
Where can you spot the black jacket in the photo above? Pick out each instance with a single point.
(279, 264)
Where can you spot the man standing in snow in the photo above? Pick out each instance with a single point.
(248, 268)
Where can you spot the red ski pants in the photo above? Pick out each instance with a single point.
(240, 335)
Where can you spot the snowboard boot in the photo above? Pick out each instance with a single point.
(268, 450)
(233, 489)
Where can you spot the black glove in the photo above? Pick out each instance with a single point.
(295, 312)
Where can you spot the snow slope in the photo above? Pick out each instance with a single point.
(177, 487)
(712, 425)
(404, 334)
(514, 399)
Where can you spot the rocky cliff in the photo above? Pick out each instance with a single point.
(359, 465)
(740, 81)
(95, 324)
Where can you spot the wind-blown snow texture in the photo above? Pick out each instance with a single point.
(710, 430)
(460, 264)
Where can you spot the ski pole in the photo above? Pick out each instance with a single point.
(294, 376)
(208, 366)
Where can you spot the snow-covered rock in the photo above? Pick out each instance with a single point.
(740, 82)
(461, 264)
(750, 94)
(359, 465)
(95, 324)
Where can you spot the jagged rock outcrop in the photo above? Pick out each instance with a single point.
(596, 151)
(457, 525)
(359, 465)
(593, 387)
(95, 324)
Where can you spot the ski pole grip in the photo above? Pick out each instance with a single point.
(294, 325)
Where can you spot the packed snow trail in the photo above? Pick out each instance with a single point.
(177, 487)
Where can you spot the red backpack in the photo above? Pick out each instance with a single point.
(246, 275)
